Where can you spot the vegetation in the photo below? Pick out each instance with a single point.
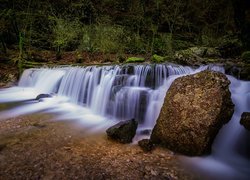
(135, 59)
(246, 56)
(158, 59)
(125, 27)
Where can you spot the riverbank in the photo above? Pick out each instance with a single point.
(35, 147)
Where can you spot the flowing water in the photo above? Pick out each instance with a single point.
(99, 96)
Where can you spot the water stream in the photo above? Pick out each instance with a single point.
(99, 96)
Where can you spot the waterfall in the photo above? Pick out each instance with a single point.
(101, 94)
(115, 92)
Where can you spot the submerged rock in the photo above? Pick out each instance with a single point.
(123, 132)
(42, 96)
(245, 120)
(195, 108)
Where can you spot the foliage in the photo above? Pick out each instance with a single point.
(135, 59)
(157, 59)
(246, 56)
(65, 33)
(137, 27)
(103, 38)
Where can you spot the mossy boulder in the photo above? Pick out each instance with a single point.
(245, 120)
(135, 60)
(123, 131)
(188, 57)
(246, 56)
(157, 59)
(197, 55)
(195, 108)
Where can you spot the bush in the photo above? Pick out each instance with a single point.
(65, 33)
(246, 56)
(135, 59)
(103, 38)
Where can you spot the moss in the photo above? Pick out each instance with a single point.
(246, 56)
(211, 60)
(157, 59)
(187, 53)
(135, 59)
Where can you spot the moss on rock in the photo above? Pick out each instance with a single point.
(135, 59)
(157, 59)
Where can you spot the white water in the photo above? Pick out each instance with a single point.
(99, 96)
(230, 158)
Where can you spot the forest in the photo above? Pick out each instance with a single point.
(146, 27)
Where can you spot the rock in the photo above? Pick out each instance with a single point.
(198, 51)
(145, 132)
(195, 108)
(212, 53)
(123, 132)
(42, 96)
(146, 145)
(188, 57)
(245, 120)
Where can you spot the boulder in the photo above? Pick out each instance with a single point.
(195, 108)
(146, 145)
(245, 120)
(123, 132)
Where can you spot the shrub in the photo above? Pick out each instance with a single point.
(65, 34)
(246, 56)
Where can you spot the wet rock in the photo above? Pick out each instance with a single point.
(146, 145)
(120, 80)
(42, 96)
(145, 132)
(123, 132)
(245, 120)
(244, 73)
(195, 108)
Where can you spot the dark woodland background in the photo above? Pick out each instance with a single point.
(131, 27)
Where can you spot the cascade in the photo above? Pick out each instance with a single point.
(99, 94)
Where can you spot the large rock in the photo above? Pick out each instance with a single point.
(194, 110)
(123, 132)
(245, 120)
